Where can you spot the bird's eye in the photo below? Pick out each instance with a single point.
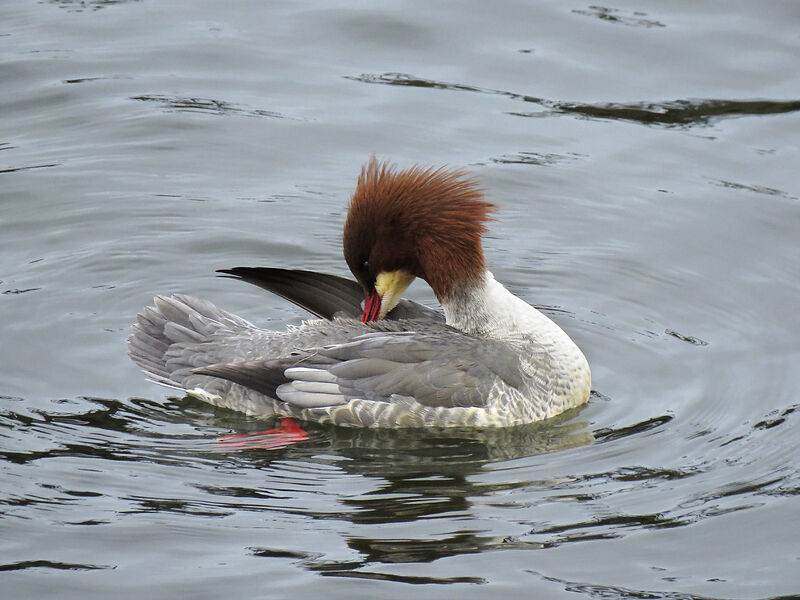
(365, 266)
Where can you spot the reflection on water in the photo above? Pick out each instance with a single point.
(207, 106)
(679, 113)
(82, 5)
(49, 564)
(364, 484)
(414, 477)
(542, 159)
(397, 455)
(682, 113)
(758, 189)
(417, 475)
(420, 473)
(453, 451)
(614, 15)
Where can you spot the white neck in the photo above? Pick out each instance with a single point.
(489, 309)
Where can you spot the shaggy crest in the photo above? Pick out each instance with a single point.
(427, 221)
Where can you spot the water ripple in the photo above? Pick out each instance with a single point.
(207, 106)
(613, 15)
(674, 113)
(48, 564)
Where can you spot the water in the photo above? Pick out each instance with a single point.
(645, 165)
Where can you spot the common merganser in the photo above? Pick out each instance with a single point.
(493, 360)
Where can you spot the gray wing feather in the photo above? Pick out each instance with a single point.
(164, 337)
(187, 342)
(446, 370)
(435, 370)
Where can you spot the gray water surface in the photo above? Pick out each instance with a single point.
(644, 158)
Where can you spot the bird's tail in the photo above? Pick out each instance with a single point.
(181, 333)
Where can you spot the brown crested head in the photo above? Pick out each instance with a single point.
(426, 221)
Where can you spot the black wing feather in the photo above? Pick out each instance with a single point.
(263, 376)
(321, 294)
(324, 295)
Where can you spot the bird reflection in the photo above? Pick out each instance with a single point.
(427, 473)
(421, 475)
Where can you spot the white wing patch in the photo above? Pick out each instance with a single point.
(310, 388)
(309, 374)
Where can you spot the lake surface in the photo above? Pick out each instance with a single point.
(645, 159)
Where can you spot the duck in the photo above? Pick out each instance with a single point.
(371, 358)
